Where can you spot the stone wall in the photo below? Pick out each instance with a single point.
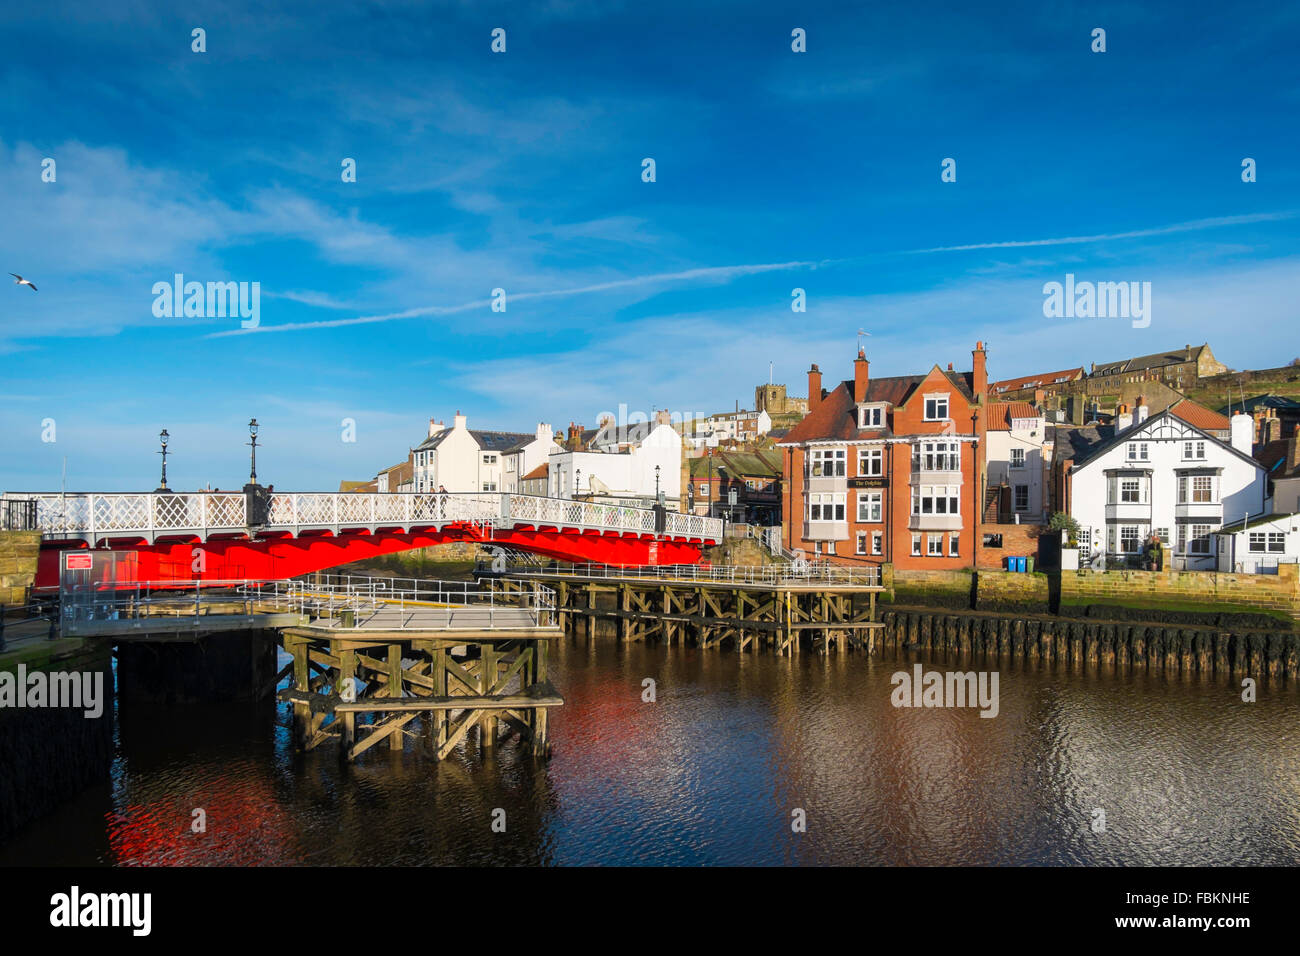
(18, 554)
(1259, 592)
(1166, 595)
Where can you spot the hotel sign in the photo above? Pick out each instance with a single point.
(868, 482)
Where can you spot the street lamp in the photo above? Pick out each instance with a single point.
(252, 471)
(656, 482)
(162, 438)
(577, 483)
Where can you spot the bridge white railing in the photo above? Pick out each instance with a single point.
(204, 512)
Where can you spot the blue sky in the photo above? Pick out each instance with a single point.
(522, 171)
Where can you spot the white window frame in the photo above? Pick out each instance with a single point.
(871, 501)
(938, 406)
(826, 463)
(871, 416)
(1018, 458)
(867, 457)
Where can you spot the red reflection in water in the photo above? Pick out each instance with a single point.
(243, 828)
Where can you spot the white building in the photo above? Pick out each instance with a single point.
(1018, 455)
(1162, 475)
(739, 426)
(1258, 545)
(457, 459)
(525, 456)
(626, 475)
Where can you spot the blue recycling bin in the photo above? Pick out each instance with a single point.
(1020, 564)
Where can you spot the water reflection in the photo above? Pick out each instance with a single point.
(711, 772)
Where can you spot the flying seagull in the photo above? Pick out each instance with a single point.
(19, 280)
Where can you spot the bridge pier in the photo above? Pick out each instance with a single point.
(401, 677)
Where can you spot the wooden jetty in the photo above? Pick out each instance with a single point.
(776, 608)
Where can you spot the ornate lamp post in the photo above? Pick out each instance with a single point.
(656, 482)
(252, 432)
(577, 483)
(162, 438)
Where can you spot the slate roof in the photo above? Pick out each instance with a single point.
(1262, 401)
(500, 441)
(1143, 362)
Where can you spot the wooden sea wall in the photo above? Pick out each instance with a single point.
(1172, 648)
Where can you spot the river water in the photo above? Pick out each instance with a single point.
(1179, 770)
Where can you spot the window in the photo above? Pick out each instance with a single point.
(1130, 491)
(1163, 534)
(870, 505)
(1193, 451)
(1258, 541)
(936, 456)
(916, 545)
(1276, 542)
(877, 542)
(936, 408)
(936, 499)
(489, 459)
(1129, 536)
(1138, 451)
(862, 542)
(871, 462)
(826, 507)
(489, 486)
(1017, 458)
(1200, 543)
(934, 545)
(953, 545)
(1198, 489)
(826, 463)
(1021, 493)
(873, 417)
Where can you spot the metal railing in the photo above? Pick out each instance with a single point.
(348, 602)
(96, 515)
(17, 515)
(820, 573)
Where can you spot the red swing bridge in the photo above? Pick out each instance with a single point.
(260, 535)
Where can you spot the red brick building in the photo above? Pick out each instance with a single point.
(889, 469)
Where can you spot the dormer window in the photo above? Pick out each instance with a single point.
(936, 408)
(871, 416)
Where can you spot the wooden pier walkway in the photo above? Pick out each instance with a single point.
(746, 608)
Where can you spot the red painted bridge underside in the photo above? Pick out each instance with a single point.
(272, 558)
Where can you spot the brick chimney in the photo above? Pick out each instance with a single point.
(979, 373)
(814, 388)
(1293, 450)
(860, 377)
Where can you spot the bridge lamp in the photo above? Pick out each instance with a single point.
(162, 438)
(656, 481)
(252, 433)
(577, 483)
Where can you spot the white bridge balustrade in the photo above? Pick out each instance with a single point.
(98, 517)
